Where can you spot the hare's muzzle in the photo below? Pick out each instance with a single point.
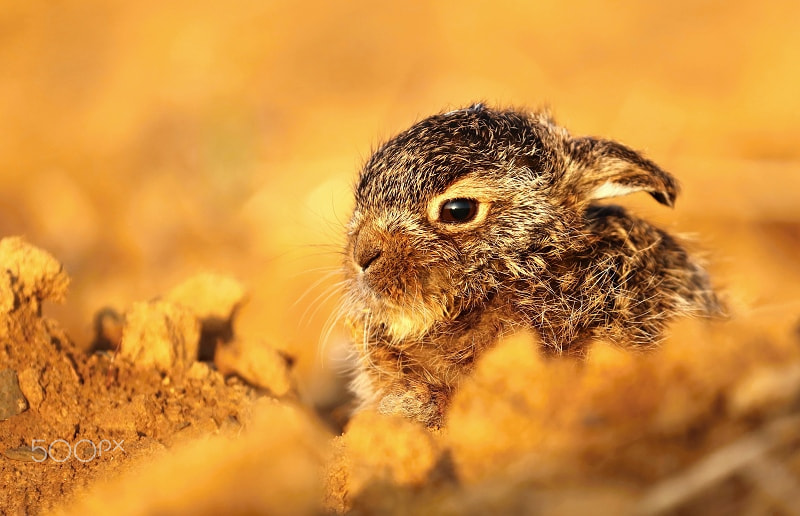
(367, 251)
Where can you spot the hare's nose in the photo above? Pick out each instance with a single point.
(367, 250)
(364, 261)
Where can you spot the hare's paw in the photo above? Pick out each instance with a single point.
(418, 402)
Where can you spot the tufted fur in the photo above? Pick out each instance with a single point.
(424, 298)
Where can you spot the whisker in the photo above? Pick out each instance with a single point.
(327, 329)
(314, 285)
(320, 300)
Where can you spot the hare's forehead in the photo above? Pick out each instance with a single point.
(407, 179)
(413, 186)
(407, 185)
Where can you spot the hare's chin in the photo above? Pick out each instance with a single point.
(407, 323)
(401, 321)
(402, 326)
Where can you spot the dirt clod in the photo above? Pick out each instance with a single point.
(35, 274)
(214, 300)
(12, 401)
(160, 334)
(258, 364)
(30, 387)
(6, 293)
(209, 296)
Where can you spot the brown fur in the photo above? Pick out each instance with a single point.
(425, 298)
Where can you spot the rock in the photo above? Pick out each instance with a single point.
(12, 401)
(26, 454)
(30, 387)
(160, 334)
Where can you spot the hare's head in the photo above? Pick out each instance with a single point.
(452, 211)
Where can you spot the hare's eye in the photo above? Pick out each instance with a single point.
(457, 211)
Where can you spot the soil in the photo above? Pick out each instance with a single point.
(88, 414)
(142, 145)
(138, 424)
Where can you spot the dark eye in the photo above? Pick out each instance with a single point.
(457, 211)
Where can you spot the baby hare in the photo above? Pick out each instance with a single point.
(476, 222)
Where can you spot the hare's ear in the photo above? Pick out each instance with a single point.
(605, 168)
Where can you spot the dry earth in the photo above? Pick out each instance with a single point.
(707, 424)
(189, 165)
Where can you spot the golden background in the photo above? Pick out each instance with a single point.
(141, 143)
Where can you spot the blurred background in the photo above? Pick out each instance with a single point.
(142, 143)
